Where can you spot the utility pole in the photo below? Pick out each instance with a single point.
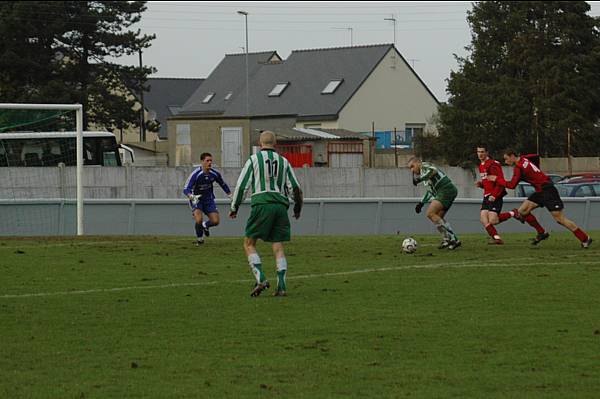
(537, 131)
(569, 160)
(395, 147)
(142, 117)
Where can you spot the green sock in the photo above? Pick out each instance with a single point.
(259, 273)
(281, 280)
(256, 267)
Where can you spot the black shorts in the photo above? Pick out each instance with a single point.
(548, 197)
(492, 206)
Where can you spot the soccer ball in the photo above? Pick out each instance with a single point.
(409, 245)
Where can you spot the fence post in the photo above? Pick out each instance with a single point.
(62, 181)
(320, 228)
(131, 224)
(586, 217)
(61, 217)
(378, 217)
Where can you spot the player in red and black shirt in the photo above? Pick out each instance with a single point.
(493, 194)
(545, 195)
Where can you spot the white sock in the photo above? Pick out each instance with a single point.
(254, 259)
(281, 264)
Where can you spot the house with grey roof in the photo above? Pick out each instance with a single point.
(166, 96)
(367, 89)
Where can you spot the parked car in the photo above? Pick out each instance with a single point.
(581, 189)
(581, 178)
(555, 178)
(588, 189)
(524, 189)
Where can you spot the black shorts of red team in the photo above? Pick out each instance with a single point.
(548, 197)
(492, 206)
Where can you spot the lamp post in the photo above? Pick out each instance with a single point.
(393, 19)
(142, 110)
(245, 14)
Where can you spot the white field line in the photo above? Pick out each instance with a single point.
(51, 244)
(475, 264)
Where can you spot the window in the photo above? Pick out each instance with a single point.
(583, 191)
(228, 96)
(208, 97)
(412, 130)
(278, 89)
(332, 86)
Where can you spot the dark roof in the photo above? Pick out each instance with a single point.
(228, 77)
(308, 72)
(167, 95)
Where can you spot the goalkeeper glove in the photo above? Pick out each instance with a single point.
(195, 199)
(419, 207)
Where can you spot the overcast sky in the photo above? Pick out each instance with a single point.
(193, 37)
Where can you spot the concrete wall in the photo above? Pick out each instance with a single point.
(320, 216)
(385, 159)
(164, 183)
(392, 96)
(578, 165)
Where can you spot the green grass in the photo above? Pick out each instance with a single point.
(155, 317)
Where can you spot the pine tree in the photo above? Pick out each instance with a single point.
(532, 74)
(61, 52)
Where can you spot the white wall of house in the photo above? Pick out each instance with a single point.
(392, 96)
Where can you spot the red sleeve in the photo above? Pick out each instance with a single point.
(496, 170)
(513, 182)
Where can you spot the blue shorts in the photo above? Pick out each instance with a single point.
(205, 206)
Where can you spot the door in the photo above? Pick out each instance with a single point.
(231, 147)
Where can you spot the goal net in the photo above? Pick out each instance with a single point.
(41, 169)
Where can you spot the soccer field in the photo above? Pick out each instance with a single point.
(155, 317)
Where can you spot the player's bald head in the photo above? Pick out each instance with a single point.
(267, 139)
(414, 164)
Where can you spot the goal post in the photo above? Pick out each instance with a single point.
(78, 108)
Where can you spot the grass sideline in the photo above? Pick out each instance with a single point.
(155, 317)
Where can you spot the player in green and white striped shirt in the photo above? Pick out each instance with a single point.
(441, 192)
(271, 179)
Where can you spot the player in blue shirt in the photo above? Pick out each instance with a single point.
(199, 190)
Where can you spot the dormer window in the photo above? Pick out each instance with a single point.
(278, 89)
(332, 86)
(228, 96)
(208, 97)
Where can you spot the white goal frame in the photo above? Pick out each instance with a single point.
(78, 108)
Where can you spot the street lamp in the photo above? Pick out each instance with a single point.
(245, 14)
(393, 19)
